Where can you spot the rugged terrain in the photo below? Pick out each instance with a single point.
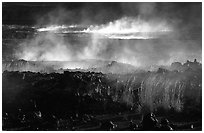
(76, 100)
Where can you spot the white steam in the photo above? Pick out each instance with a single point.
(128, 40)
(131, 28)
(45, 47)
(124, 28)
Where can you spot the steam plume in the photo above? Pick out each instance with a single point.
(140, 36)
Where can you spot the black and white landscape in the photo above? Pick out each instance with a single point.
(102, 66)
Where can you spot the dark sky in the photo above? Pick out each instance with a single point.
(90, 13)
(29, 13)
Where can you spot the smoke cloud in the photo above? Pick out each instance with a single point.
(144, 34)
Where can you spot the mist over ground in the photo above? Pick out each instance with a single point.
(140, 34)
